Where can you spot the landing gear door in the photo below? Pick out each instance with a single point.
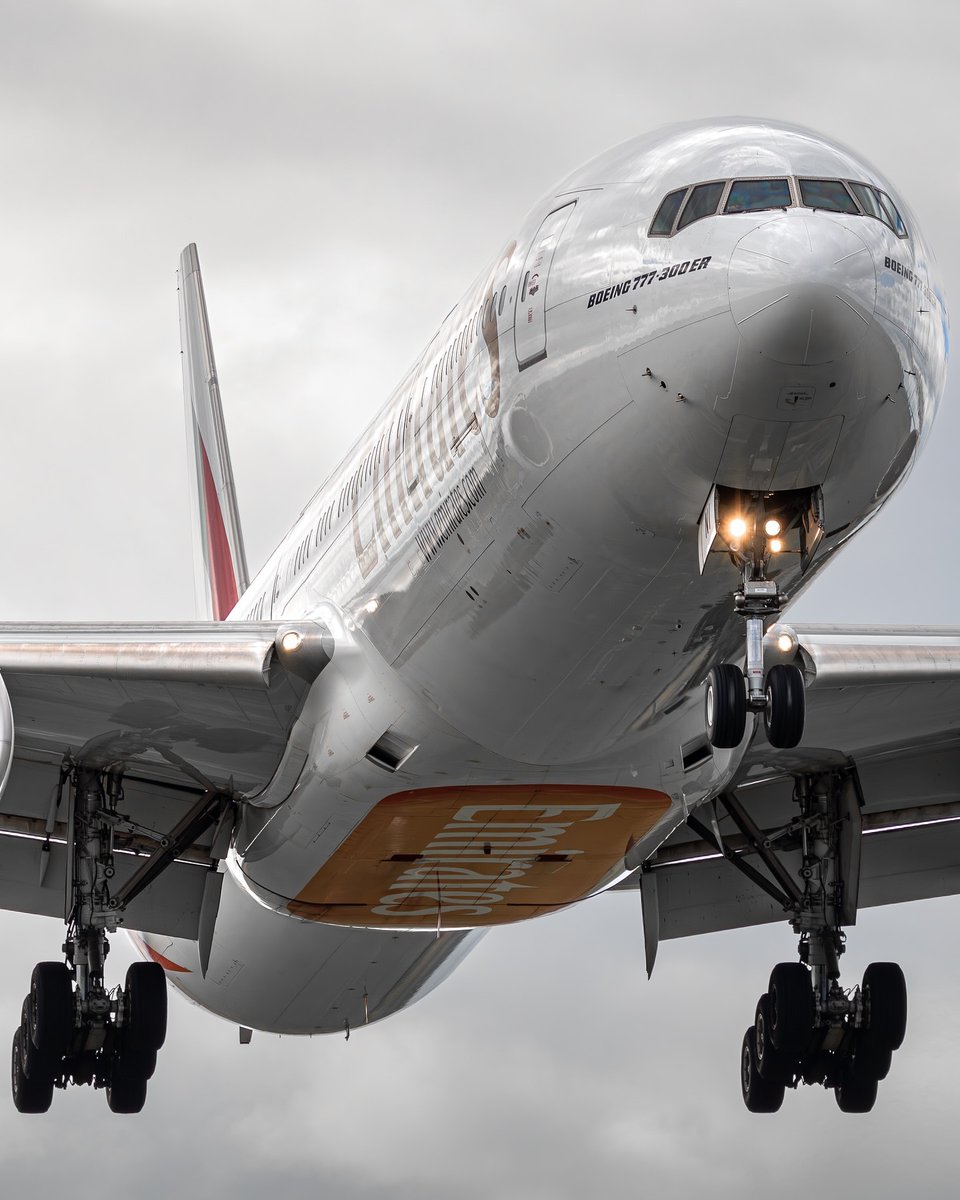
(707, 529)
(530, 327)
(811, 527)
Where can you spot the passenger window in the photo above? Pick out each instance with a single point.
(703, 202)
(669, 207)
(754, 195)
(827, 194)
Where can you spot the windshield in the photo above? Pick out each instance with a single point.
(752, 195)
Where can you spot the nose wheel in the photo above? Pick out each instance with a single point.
(784, 707)
(726, 706)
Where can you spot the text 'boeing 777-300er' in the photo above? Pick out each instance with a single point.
(526, 644)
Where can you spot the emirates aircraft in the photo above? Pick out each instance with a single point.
(527, 643)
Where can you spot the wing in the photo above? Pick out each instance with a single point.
(883, 711)
(185, 720)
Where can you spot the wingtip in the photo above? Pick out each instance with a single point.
(189, 259)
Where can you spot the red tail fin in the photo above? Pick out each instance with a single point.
(220, 561)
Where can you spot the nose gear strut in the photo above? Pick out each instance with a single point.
(730, 692)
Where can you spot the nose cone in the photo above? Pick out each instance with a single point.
(803, 289)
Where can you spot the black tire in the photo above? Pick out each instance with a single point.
(885, 993)
(725, 706)
(27, 1048)
(759, 1095)
(139, 1062)
(791, 1008)
(784, 714)
(870, 1061)
(855, 1094)
(145, 996)
(51, 1008)
(26, 1019)
(127, 1089)
(34, 1062)
(34, 1095)
(774, 1065)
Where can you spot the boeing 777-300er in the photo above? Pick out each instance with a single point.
(526, 644)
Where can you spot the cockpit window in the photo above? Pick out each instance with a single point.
(703, 202)
(878, 204)
(870, 202)
(753, 195)
(828, 194)
(891, 210)
(663, 221)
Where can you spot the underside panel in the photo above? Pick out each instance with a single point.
(442, 858)
(288, 976)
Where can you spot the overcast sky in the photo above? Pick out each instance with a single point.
(346, 169)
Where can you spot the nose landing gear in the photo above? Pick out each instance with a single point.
(730, 693)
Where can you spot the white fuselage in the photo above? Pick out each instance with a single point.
(508, 559)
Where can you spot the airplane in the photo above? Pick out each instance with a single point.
(526, 644)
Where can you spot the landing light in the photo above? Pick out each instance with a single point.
(785, 643)
(371, 606)
(291, 641)
(772, 527)
(737, 527)
(775, 545)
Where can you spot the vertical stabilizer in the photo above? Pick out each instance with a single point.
(220, 562)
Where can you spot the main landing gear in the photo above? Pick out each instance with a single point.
(845, 1044)
(72, 1029)
(807, 1028)
(754, 539)
(108, 1040)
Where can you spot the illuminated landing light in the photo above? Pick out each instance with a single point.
(371, 606)
(772, 527)
(785, 643)
(291, 641)
(737, 527)
(775, 546)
